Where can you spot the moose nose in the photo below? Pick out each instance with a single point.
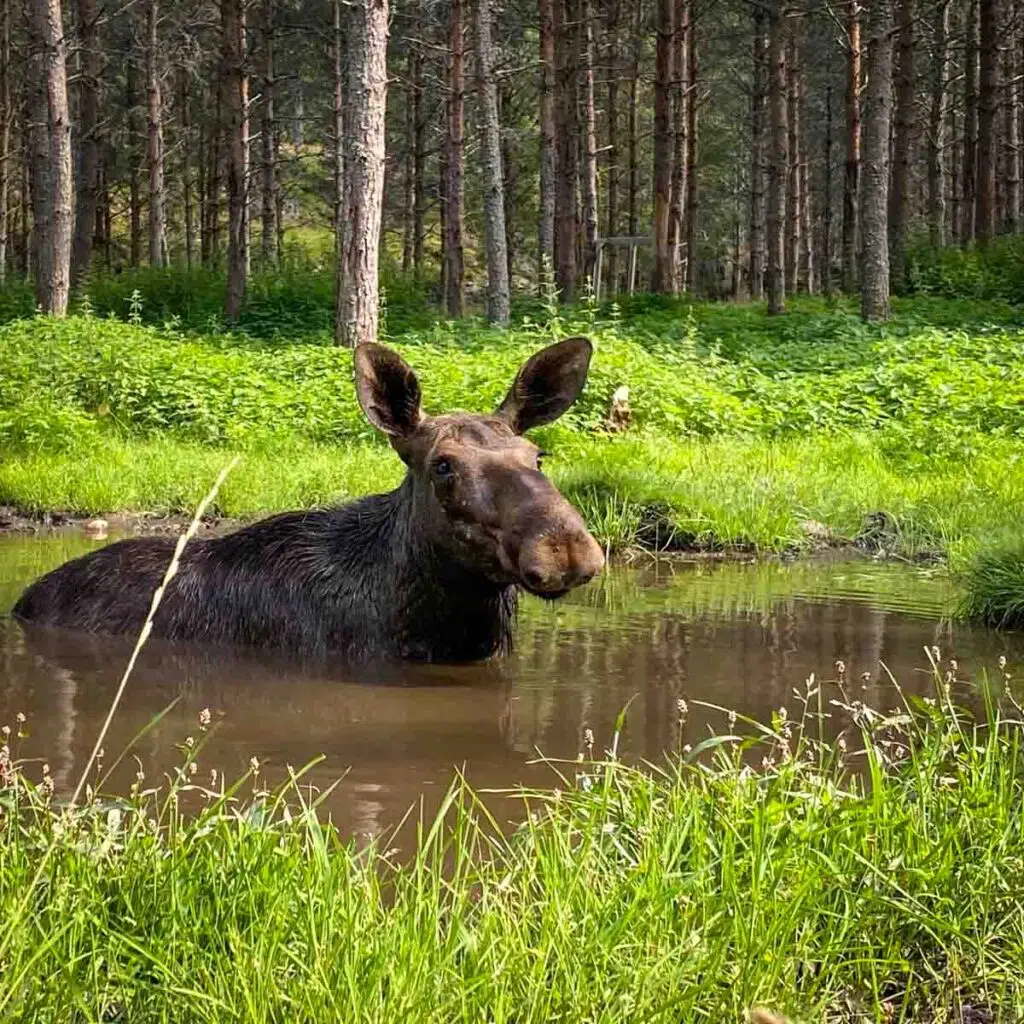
(551, 565)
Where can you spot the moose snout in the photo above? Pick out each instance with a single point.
(552, 563)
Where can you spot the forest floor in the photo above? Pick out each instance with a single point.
(746, 433)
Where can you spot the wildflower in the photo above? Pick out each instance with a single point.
(841, 667)
(588, 741)
(213, 778)
(6, 730)
(19, 718)
(936, 653)
(954, 666)
(204, 719)
(842, 744)
(192, 767)
(865, 678)
(189, 742)
(732, 719)
(254, 765)
(682, 709)
(1002, 662)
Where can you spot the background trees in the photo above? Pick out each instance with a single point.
(733, 136)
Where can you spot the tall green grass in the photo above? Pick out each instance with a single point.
(875, 879)
(993, 582)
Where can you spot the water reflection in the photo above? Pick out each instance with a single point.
(737, 636)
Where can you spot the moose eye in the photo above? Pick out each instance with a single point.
(442, 468)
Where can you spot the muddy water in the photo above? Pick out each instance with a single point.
(741, 636)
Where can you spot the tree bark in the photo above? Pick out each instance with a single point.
(680, 125)
(52, 184)
(969, 168)
(692, 181)
(612, 148)
(268, 133)
(236, 90)
(187, 183)
(778, 157)
(408, 160)
(877, 123)
(6, 117)
(510, 173)
(937, 115)
(546, 219)
(498, 298)
(155, 141)
(851, 184)
(589, 175)
(806, 199)
(825, 263)
(338, 144)
(364, 170)
(419, 185)
(134, 188)
(758, 110)
(88, 145)
(567, 136)
(1011, 133)
(453, 250)
(988, 106)
(793, 199)
(903, 147)
(633, 194)
(663, 261)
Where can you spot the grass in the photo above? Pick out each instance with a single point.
(993, 583)
(873, 879)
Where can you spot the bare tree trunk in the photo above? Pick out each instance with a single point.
(825, 264)
(419, 185)
(53, 150)
(988, 105)
(612, 175)
(877, 123)
(662, 279)
(236, 91)
(589, 175)
(546, 220)
(6, 117)
(134, 190)
(186, 166)
(408, 160)
(806, 199)
(903, 147)
(680, 166)
(969, 169)
(567, 135)
(758, 110)
(453, 250)
(793, 200)
(692, 181)
(778, 157)
(498, 299)
(510, 172)
(268, 133)
(851, 185)
(633, 195)
(216, 173)
(338, 142)
(1011, 132)
(937, 125)
(364, 191)
(88, 148)
(155, 146)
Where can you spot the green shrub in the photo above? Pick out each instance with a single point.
(993, 583)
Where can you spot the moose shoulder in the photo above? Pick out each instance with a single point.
(429, 571)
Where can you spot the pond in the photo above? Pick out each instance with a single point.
(741, 636)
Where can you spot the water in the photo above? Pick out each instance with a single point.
(738, 636)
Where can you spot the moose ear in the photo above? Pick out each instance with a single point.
(387, 389)
(547, 384)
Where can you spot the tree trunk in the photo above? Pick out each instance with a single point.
(6, 117)
(680, 99)
(52, 185)
(851, 184)
(498, 299)
(268, 133)
(612, 148)
(663, 261)
(988, 106)
(453, 250)
(236, 94)
(1011, 133)
(567, 136)
(88, 146)
(364, 169)
(937, 126)
(692, 194)
(408, 160)
(778, 157)
(825, 263)
(155, 141)
(510, 172)
(969, 168)
(877, 123)
(546, 219)
(419, 185)
(793, 191)
(806, 199)
(186, 167)
(903, 147)
(589, 175)
(758, 98)
(633, 195)
(338, 142)
(134, 190)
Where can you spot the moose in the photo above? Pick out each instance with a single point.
(430, 571)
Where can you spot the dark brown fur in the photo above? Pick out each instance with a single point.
(428, 571)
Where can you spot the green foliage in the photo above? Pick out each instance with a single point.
(875, 877)
(993, 583)
(995, 271)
